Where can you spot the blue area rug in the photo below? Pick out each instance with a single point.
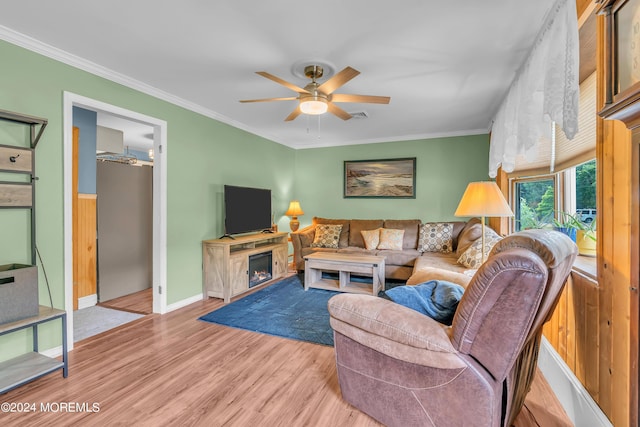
(283, 309)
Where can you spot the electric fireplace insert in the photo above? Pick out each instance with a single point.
(260, 268)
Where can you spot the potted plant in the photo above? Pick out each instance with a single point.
(584, 234)
(567, 224)
(586, 238)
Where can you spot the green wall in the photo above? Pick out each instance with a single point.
(202, 155)
(444, 167)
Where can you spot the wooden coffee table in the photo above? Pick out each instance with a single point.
(344, 264)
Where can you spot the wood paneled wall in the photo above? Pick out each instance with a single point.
(614, 172)
(591, 327)
(86, 242)
(574, 330)
(83, 234)
(582, 6)
(614, 272)
(501, 224)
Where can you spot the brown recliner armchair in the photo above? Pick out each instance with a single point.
(405, 369)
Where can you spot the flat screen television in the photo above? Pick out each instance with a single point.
(246, 209)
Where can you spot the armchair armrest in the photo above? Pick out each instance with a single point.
(298, 242)
(394, 330)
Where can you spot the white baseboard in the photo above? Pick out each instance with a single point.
(580, 407)
(184, 303)
(52, 352)
(88, 301)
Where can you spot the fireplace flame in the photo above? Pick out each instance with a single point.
(260, 276)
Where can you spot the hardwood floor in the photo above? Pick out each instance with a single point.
(174, 370)
(138, 302)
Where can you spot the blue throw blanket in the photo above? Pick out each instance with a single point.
(437, 299)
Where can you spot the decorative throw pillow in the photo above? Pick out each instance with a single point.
(327, 236)
(437, 299)
(391, 238)
(471, 231)
(371, 238)
(436, 237)
(472, 257)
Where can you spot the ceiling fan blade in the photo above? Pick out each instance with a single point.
(369, 99)
(291, 98)
(282, 82)
(334, 109)
(295, 113)
(338, 80)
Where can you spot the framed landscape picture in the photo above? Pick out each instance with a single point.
(388, 178)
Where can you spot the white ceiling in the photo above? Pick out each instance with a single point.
(445, 65)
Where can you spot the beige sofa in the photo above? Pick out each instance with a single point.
(408, 263)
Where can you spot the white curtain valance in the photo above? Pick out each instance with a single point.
(545, 90)
(565, 153)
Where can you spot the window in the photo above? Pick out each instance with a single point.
(534, 201)
(538, 200)
(559, 175)
(585, 191)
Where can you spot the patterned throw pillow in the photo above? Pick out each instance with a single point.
(371, 238)
(436, 237)
(391, 239)
(327, 236)
(472, 257)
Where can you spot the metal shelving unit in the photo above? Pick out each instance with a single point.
(30, 366)
(21, 194)
(21, 160)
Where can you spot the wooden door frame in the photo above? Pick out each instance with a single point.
(71, 100)
(634, 345)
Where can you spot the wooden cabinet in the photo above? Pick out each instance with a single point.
(238, 273)
(280, 259)
(225, 262)
(621, 51)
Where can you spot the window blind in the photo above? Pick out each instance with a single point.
(554, 156)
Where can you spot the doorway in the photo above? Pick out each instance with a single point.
(159, 198)
(124, 229)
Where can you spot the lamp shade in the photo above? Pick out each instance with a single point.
(483, 198)
(294, 209)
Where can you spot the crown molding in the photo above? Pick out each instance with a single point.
(34, 45)
(39, 47)
(405, 138)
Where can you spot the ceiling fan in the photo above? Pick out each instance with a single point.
(318, 98)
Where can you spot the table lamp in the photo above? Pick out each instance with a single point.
(482, 199)
(293, 211)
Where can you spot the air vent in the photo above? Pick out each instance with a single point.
(358, 115)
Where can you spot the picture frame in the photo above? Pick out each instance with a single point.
(382, 178)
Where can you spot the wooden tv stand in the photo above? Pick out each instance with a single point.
(225, 262)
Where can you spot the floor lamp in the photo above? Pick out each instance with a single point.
(483, 199)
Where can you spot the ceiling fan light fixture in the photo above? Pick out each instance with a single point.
(318, 98)
(314, 105)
